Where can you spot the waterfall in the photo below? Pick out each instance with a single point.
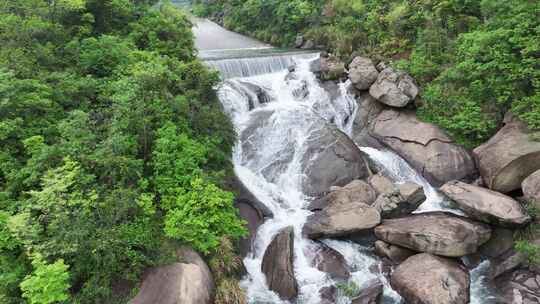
(274, 112)
(246, 67)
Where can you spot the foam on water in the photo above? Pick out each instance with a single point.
(272, 169)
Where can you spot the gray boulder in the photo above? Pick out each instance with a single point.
(429, 279)
(501, 241)
(277, 265)
(531, 188)
(435, 232)
(331, 159)
(367, 111)
(403, 200)
(424, 146)
(332, 262)
(509, 261)
(508, 157)
(355, 191)
(341, 220)
(362, 73)
(394, 88)
(486, 205)
(331, 68)
(381, 183)
(189, 282)
(394, 253)
(254, 219)
(519, 287)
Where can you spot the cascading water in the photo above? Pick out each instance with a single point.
(274, 113)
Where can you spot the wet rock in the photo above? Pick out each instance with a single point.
(531, 188)
(331, 159)
(362, 73)
(519, 287)
(254, 219)
(428, 279)
(508, 157)
(381, 184)
(331, 68)
(332, 262)
(328, 295)
(509, 261)
(500, 242)
(243, 195)
(412, 193)
(394, 88)
(486, 205)
(277, 265)
(394, 253)
(190, 283)
(367, 111)
(341, 220)
(403, 200)
(355, 191)
(435, 232)
(424, 146)
(371, 293)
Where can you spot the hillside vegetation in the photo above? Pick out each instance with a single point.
(475, 59)
(113, 148)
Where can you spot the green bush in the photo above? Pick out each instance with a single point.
(87, 87)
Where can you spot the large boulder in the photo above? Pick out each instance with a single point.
(394, 253)
(426, 147)
(327, 67)
(508, 157)
(429, 279)
(341, 220)
(331, 159)
(531, 188)
(394, 88)
(332, 262)
(254, 219)
(188, 282)
(501, 241)
(355, 191)
(402, 200)
(519, 287)
(329, 156)
(486, 205)
(435, 232)
(362, 73)
(277, 265)
(367, 111)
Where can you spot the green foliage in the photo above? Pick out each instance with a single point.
(85, 87)
(226, 265)
(348, 289)
(531, 250)
(196, 211)
(47, 284)
(476, 59)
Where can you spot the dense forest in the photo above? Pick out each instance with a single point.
(114, 150)
(475, 59)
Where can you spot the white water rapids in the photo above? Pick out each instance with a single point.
(272, 171)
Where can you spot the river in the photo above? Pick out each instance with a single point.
(267, 160)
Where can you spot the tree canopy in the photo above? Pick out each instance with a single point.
(113, 148)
